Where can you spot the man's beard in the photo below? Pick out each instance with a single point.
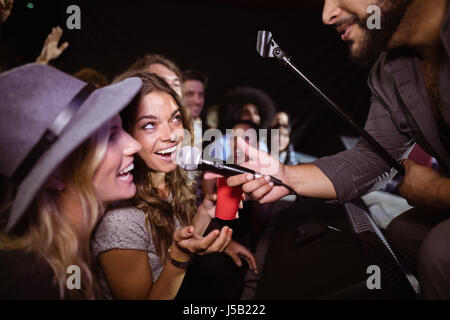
(374, 42)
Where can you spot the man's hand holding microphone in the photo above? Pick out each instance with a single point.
(305, 179)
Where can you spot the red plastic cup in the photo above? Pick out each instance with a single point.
(227, 200)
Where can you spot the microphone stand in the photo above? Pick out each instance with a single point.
(267, 48)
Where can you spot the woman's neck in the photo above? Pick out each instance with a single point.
(159, 180)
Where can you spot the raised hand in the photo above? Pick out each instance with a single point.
(51, 50)
(5, 9)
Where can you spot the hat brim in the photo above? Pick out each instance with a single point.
(100, 107)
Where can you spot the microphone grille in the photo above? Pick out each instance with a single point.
(188, 158)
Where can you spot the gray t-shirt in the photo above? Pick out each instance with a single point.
(124, 228)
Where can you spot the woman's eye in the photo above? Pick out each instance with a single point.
(177, 118)
(149, 126)
(113, 137)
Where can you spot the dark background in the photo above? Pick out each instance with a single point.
(215, 36)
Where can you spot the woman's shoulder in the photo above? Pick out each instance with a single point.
(124, 212)
(123, 216)
(121, 228)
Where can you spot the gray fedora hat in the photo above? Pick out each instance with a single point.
(45, 115)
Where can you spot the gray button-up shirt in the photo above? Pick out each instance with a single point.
(400, 115)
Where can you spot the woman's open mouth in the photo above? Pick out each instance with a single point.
(125, 175)
(167, 154)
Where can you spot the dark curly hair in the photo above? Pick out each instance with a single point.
(232, 103)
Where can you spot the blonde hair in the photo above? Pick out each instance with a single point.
(51, 234)
(159, 213)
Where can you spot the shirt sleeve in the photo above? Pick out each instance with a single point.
(121, 229)
(360, 170)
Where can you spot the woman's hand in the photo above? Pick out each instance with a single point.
(236, 251)
(51, 50)
(187, 242)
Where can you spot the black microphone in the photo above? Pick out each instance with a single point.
(190, 159)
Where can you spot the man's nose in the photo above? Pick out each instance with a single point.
(330, 12)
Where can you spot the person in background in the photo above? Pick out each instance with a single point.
(92, 76)
(193, 89)
(163, 67)
(280, 119)
(55, 188)
(246, 104)
(239, 104)
(285, 146)
(212, 117)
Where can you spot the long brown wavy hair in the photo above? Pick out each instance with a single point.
(159, 213)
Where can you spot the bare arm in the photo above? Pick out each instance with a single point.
(423, 186)
(444, 192)
(129, 273)
(308, 180)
